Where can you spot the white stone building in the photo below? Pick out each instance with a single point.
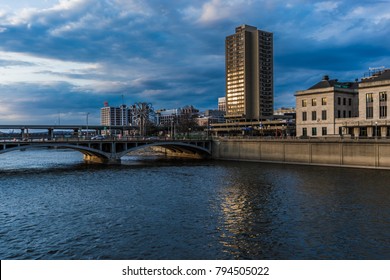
(321, 109)
(373, 119)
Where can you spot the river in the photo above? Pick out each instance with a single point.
(53, 206)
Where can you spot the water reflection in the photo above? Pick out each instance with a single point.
(300, 212)
(245, 216)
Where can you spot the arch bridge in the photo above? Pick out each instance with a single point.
(111, 151)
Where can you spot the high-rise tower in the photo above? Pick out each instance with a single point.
(249, 74)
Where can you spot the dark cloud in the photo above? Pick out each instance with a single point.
(171, 53)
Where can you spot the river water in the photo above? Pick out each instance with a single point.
(53, 206)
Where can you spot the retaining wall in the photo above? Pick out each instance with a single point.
(348, 153)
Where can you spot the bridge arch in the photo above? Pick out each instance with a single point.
(175, 148)
(86, 151)
(112, 151)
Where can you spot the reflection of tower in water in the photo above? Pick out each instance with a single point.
(246, 224)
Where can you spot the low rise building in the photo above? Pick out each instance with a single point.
(321, 109)
(284, 111)
(179, 115)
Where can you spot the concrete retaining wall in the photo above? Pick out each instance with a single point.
(349, 153)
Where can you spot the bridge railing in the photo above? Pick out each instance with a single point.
(105, 139)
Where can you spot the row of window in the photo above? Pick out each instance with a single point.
(325, 102)
(314, 115)
(370, 97)
(324, 131)
(344, 101)
(345, 114)
(370, 111)
(314, 102)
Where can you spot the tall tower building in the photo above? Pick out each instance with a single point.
(249, 74)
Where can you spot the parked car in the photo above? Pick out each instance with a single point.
(98, 137)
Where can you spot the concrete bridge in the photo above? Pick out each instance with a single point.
(111, 151)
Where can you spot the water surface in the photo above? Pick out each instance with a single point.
(53, 206)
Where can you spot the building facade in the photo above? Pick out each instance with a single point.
(374, 118)
(322, 109)
(284, 111)
(249, 74)
(222, 104)
(114, 115)
(167, 117)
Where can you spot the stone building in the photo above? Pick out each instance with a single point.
(373, 119)
(321, 109)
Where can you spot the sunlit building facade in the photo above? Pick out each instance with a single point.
(249, 74)
(322, 109)
(374, 116)
(222, 104)
(114, 115)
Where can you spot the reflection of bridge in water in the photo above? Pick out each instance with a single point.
(109, 150)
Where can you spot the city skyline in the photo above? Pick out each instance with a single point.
(60, 59)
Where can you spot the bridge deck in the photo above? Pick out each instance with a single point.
(110, 149)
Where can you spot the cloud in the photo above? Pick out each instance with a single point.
(214, 11)
(63, 55)
(327, 6)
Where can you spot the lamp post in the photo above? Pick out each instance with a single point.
(376, 130)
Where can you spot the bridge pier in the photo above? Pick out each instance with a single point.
(101, 160)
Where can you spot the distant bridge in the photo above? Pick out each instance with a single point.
(111, 151)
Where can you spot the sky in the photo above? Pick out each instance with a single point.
(62, 59)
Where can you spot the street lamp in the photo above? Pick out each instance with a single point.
(376, 130)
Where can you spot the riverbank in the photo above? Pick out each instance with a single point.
(325, 152)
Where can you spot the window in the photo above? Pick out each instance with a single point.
(369, 109)
(314, 131)
(344, 114)
(369, 113)
(324, 131)
(304, 131)
(383, 96)
(323, 115)
(382, 104)
(369, 98)
(304, 116)
(382, 111)
(349, 114)
(338, 100)
(344, 101)
(323, 101)
(313, 115)
(314, 102)
(350, 101)
(304, 102)
(339, 114)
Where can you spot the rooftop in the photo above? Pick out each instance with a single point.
(326, 83)
(378, 76)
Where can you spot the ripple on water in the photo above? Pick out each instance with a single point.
(60, 208)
